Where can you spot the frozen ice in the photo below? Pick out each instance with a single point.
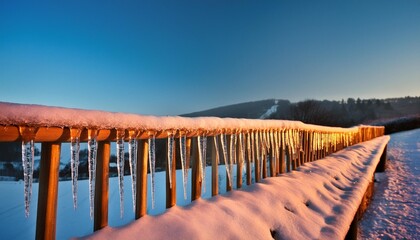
(120, 168)
(223, 140)
(152, 165)
(74, 162)
(183, 155)
(132, 158)
(92, 152)
(28, 169)
(170, 157)
(202, 148)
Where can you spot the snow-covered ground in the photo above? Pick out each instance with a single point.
(395, 210)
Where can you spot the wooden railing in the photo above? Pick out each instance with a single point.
(273, 146)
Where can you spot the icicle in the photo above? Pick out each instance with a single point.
(74, 161)
(242, 148)
(202, 148)
(223, 140)
(216, 147)
(257, 151)
(249, 147)
(183, 153)
(283, 140)
(152, 165)
(277, 145)
(120, 167)
(232, 159)
(273, 161)
(170, 156)
(132, 158)
(233, 140)
(92, 151)
(28, 136)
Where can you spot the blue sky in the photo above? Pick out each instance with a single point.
(174, 57)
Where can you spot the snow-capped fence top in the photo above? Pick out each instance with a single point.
(272, 146)
(53, 123)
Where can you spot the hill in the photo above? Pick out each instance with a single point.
(252, 110)
(342, 113)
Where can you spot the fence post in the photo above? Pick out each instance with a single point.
(239, 162)
(382, 162)
(141, 191)
(101, 186)
(195, 167)
(46, 220)
(248, 154)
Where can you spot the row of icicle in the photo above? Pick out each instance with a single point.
(254, 144)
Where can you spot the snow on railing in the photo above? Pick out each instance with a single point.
(270, 146)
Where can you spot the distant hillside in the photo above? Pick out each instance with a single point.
(342, 113)
(252, 110)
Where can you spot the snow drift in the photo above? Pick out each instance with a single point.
(318, 201)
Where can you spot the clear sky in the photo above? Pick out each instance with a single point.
(173, 57)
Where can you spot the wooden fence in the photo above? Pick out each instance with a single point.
(272, 148)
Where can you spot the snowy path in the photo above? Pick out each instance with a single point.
(395, 210)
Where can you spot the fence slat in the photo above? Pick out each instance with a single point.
(48, 190)
(102, 186)
(141, 191)
(214, 166)
(239, 165)
(195, 181)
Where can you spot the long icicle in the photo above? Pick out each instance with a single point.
(242, 155)
(28, 135)
(258, 156)
(223, 140)
(152, 165)
(132, 159)
(183, 155)
(120, 167)
(92, 152)
(202, 143)
(204, 162)
(170, 156)
(216, 147)
(74, 161)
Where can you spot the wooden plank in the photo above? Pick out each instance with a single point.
(281, 160)
(195, 168)
(239, 165)
(248, 155)
(272, 164)
(288, 159)
(46, 220)
(214, 165)
(382, 162)
(171, 192)
(264, 164)
(141, 185)
(102, 186)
